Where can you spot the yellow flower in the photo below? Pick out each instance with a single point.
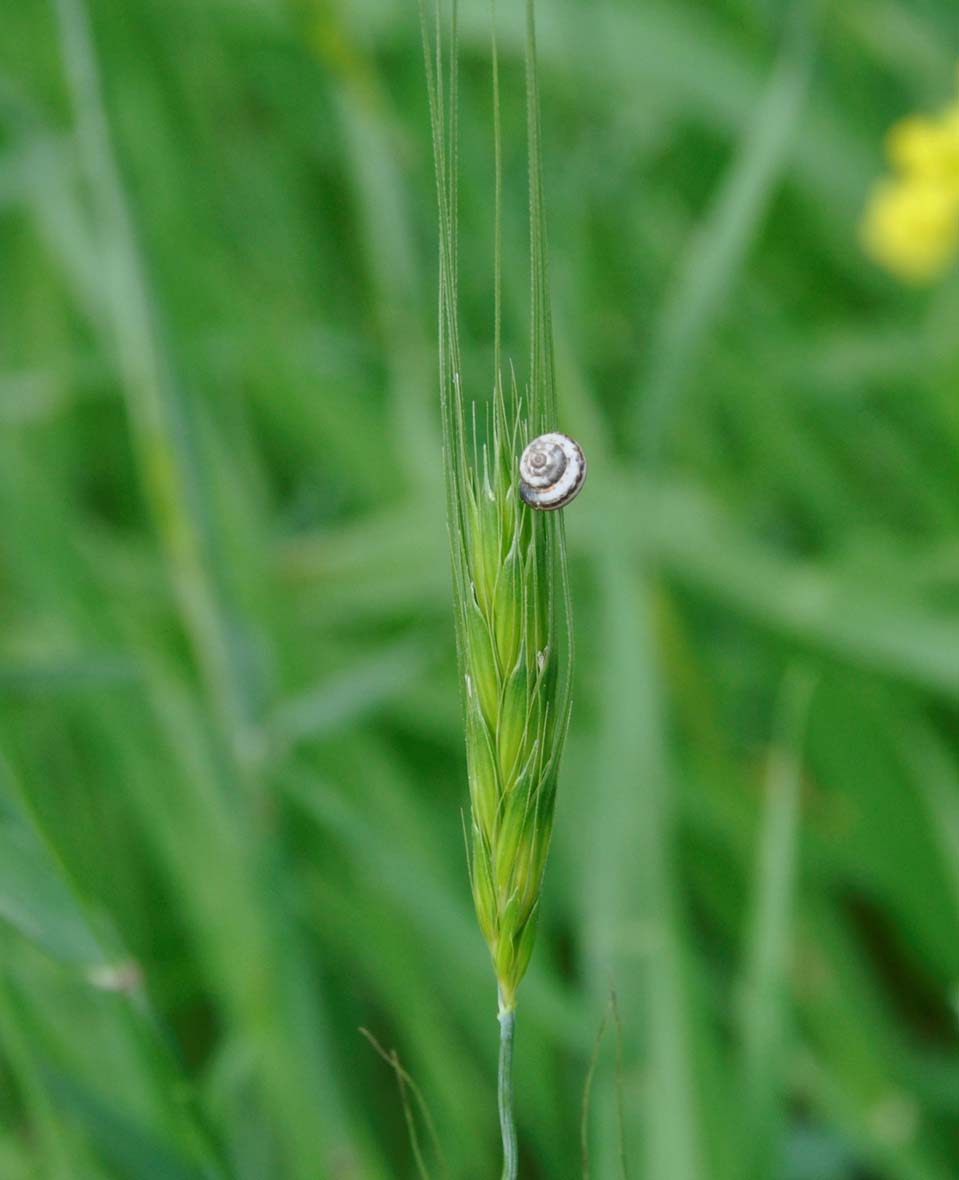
(927, 149)
(911, 221)
(912, 227)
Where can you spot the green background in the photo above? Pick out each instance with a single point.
(231, 758)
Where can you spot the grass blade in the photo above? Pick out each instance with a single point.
(707, 273)
(764, 999)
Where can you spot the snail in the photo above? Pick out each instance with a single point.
(552, 469)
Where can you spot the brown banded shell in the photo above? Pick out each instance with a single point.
(552, 469)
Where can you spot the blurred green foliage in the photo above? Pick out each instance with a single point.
(231, 758)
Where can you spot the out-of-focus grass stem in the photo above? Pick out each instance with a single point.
(708, 272)
(763, 1012)
(22, 1064)
(386, 225)
(167, 466)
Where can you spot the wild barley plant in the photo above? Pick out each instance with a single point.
(510, 585)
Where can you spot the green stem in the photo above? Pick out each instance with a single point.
(507, 1023)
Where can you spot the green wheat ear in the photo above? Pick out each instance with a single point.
(516, 703)
(510, 585)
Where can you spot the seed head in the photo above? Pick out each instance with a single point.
(516, 701)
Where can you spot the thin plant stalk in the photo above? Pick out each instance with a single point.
(507, 1123)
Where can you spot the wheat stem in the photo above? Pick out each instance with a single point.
(507, 1025)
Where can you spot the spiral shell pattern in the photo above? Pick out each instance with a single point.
(552, 469)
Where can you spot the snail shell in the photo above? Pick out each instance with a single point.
(552, 469)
